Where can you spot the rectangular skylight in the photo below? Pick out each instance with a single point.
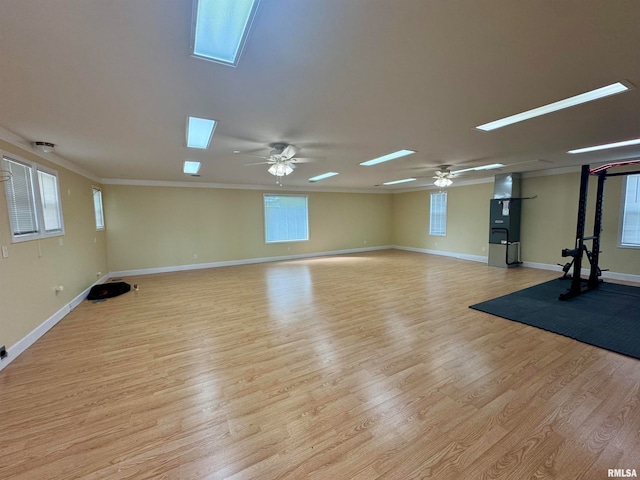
(482, 167)
(386, 158)
(191, 168)
(221, 28)
(602, 92)
(323, 176)
(405, 180)
(199, 132)
(626, 143)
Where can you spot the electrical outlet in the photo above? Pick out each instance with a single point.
(3, 352)
(5, 252)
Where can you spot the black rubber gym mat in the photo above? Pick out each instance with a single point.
(608, 317)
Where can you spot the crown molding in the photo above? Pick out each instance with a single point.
(231, 186)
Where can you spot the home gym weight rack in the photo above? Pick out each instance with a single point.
(578, 284)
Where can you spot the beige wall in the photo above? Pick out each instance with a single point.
(548, 221)
(467, 220)
(153, 227)
(30, 274)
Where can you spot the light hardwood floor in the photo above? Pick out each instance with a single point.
(350, 367)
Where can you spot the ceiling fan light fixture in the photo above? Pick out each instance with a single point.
(443, 182)
(44, 147)
(280, 169)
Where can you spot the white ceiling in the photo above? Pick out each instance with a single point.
(111, 83)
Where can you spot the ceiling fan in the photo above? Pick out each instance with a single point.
(282, 159)
(444, 175)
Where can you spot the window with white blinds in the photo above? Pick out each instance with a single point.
(33, 200)
(97, 207)
(630, 230)
(438, 214)
(286, 218)
(49, 197)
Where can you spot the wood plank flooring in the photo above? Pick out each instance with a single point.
(351, 367)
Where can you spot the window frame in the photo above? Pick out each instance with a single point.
(264, 210)
(37, 200)
(432, 213)
(623, 208)
(95, 189)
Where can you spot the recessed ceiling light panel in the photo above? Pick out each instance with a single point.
(199, 132)
(386, 158)
(404, 180)
(323, 176)
(596, 94)
(626, 143)
(220, 29)
(482, 167)
(191, 168)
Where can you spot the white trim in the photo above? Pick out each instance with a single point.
(625, 277)
(460, 256)
(230, 263)
(232, 186)
(542, 266)
(21, 345)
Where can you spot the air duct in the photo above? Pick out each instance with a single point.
(504, 218)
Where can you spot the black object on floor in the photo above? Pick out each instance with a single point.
(608, 317)
(108, 290)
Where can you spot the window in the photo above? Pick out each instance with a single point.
(33, 200)
(438, 214)
(630, 231)
(97, 207)
(286, 218)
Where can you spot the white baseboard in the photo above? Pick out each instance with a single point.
(461, 256)
(247, 261)
(626, 277)
(28, 340)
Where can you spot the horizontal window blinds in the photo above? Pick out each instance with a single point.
(438, 214)
(21, 198)
(286, 218)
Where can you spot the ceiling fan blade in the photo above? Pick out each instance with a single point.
(305, 160)
(258, 163)
(289, 152)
